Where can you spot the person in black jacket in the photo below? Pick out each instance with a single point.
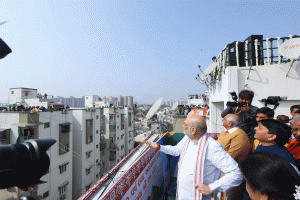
(245, 111)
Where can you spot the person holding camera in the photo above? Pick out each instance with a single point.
(245, 111)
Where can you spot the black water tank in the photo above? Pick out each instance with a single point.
(251, 49)
(232, 54)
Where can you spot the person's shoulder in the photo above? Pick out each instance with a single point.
(254, 108)
(213, 144)
(240, 133)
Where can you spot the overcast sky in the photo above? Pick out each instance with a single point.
(145, 49)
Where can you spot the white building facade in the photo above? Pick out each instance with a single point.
(86, 160)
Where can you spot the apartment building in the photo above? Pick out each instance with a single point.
(119, 131)
(86, 149)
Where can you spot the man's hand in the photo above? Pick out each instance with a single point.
(153, 145)
(204, 189)
(245, 108)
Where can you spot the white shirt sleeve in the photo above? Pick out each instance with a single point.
(224, 162)
(174, 150)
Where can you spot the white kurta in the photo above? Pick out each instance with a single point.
(216, 160)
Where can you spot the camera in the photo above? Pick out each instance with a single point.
(272, 100)
(235, 102)
(23, 165)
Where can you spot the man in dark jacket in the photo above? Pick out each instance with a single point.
(245, 111)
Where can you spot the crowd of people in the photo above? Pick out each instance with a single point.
(255, 157)
(186, 109)
(196, 96)
(34, 109)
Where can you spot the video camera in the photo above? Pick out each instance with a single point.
(23, 165)
(272, 100)
(235, 102)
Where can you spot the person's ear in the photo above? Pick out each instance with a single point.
(193, 130)
(272, 137)
(264, 197)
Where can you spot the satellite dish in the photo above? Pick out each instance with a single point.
(154, 108)
(290, 48)
(207, 71)
(175, 105)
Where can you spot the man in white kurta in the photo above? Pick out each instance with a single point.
(216, 160)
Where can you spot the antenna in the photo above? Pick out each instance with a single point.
(154, 108)
(1, 23)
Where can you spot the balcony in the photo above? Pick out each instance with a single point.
(103, 146)
(112, 122)
(112, 133)
(112, 127)
(113, 146)
(112, 157)
(29, 137)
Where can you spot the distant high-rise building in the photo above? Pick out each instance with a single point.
(129, 101)
(120, 101)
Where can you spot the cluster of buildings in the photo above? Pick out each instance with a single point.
(90, 139)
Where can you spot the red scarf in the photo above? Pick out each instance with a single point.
(294, 148)
(202, 146)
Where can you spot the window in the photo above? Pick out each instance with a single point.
(63, 188)
(5, 137)
(88, 154)
(64, 138)
(45, 195)
(89, 131)
(63, 149)
(97, 146)
(122, 136)
(12, 92)
(87, 187)
(97, 131)
(47, 125)
(97, 161)
(86, 97)
(63, 167)
(65, 128)
(88, 170)
(97, 117)
(28, 133)
(97, 175)
(122, 147)
(117, 138)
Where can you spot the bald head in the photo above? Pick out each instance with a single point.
(198, 122)
(234, 119)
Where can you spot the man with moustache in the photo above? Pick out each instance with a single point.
(201, 161)
(245, 111)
